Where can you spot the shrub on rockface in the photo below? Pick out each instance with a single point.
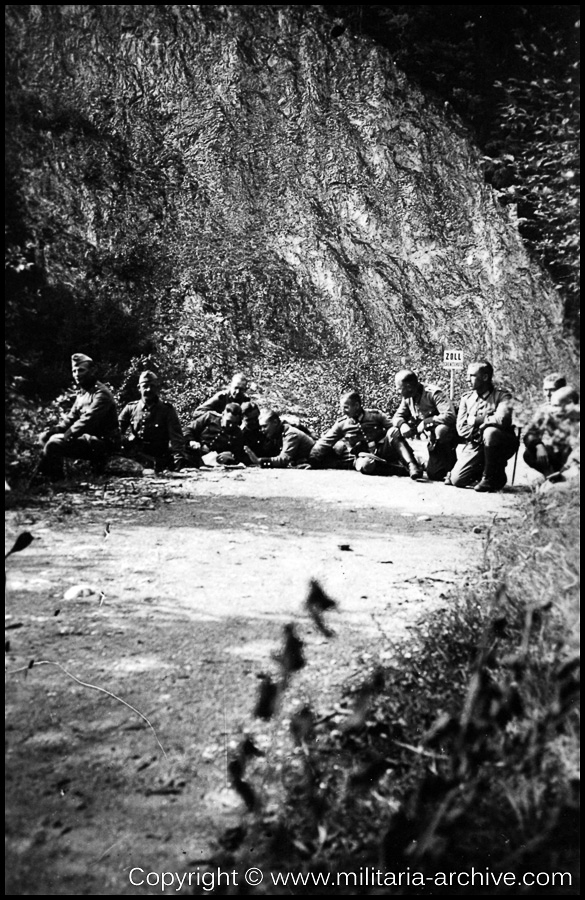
(538, 166)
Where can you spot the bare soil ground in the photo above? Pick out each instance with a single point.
(192, 578)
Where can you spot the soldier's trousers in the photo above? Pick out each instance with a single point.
(502, 445)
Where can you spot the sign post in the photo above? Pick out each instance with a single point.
(453, 360)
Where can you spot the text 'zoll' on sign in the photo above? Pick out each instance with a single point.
(453, 359)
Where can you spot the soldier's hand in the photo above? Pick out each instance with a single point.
(45, 435)
(255, 460)
(195, 445)
(354, 437)
(541, 454)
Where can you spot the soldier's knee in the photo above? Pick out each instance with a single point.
(444, 435)
(492, 436)
(54, 446)
(458, 479)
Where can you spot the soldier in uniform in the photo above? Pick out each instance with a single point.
(90, 430)
(234, 393)
(155, 435)
(484, 421)
(553, 434)
(359, 440)
(428, 413)
(213, 432)
(251, 431)
(291, 446)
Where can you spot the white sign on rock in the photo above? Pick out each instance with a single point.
(453, 359)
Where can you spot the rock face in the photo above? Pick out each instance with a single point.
(257, 189)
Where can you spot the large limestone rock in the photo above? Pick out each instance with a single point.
(265, 191)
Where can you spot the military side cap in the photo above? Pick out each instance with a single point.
(554, 381)
(564, 396)
(82, 358)
(148, 376)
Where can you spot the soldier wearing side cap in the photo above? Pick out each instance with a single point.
(154, 434)
(552, 435)
(90, 431)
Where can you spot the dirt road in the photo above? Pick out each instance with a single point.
(192, 579)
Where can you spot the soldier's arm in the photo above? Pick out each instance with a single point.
(465, 427)
(288, 454)
(67, 420)
(125, 418)
(445, 414)
(176, 438)
(91, 415)
(322, 448)
(533, 434)
(402, 415)
(195, 429)
(239, 453)
(216, 403)
(502, 415)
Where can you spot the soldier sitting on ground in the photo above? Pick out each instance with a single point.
(427, 412)
(219, 434)
(358, 440)
(155, 438)
(484, 421)
(553, 434)
(291, 446)
(234, 393)
(90, 431)
(251, 431)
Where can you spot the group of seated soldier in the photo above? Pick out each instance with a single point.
(230, 429)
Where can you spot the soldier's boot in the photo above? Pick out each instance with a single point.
(404, 451)
(494, 471)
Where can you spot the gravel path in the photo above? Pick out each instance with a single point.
(171, 594)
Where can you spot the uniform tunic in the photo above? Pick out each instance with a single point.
(155, 429)
(475, 411)
(295, 448)
(558, 430)
(432, 402)
(93, 413)
(494, 408)
(350, 436)
(219, 401)
(209, 431)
